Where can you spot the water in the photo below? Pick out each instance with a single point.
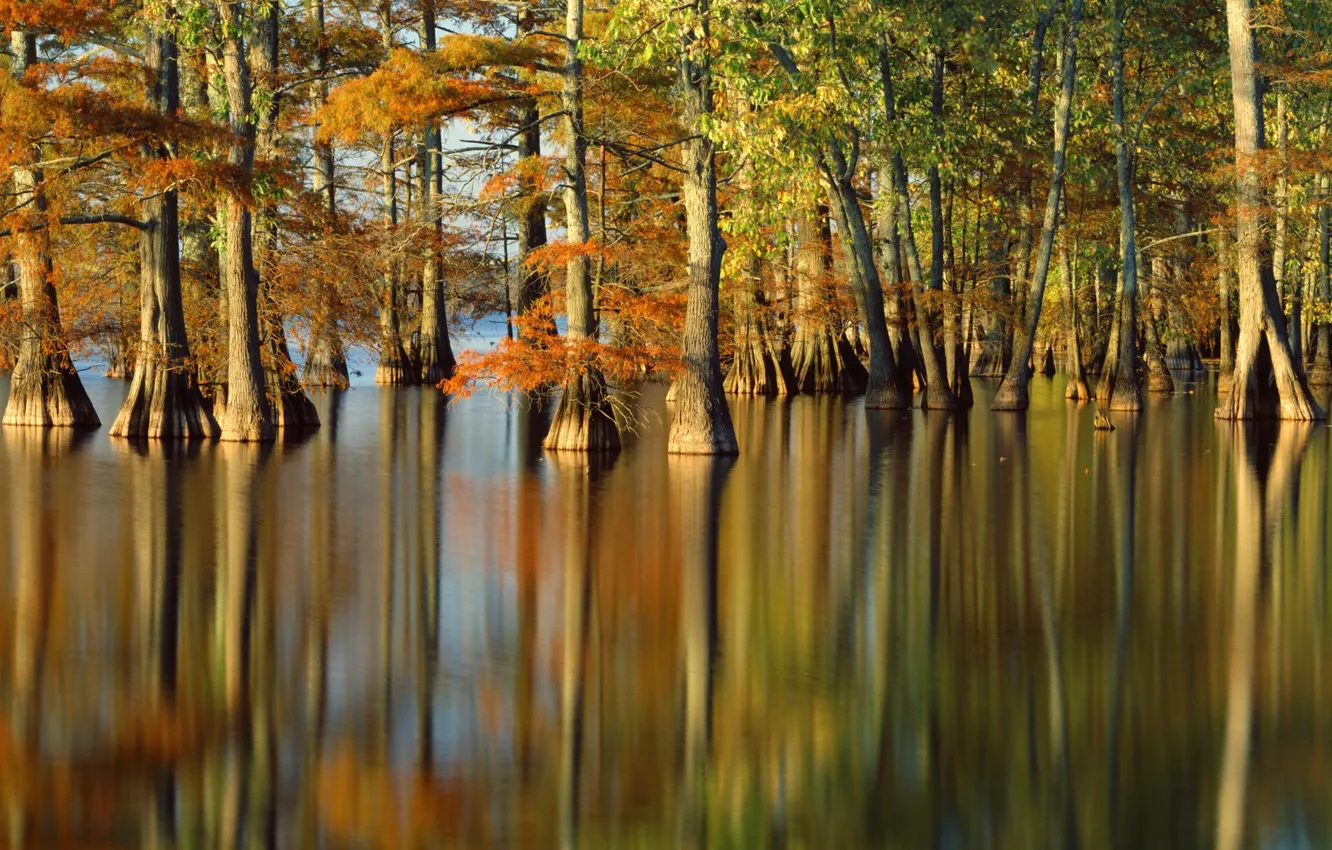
(890, 629)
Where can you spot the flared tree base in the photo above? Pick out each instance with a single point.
(164, 404)
(244, 424)
(584, 420)
(1119, 390)
(824, 362)
(1260, 391)
(1048, 363)
(291, 408)
(119, 368)
(1077, 389)
(701, 424)
(1159, 379)
(436, 361)
(395, 369)
(1012, 394)
(1321, 373)
(992, 361)
(326, 368)
(759, 370)
(890, 397)
(45, 392)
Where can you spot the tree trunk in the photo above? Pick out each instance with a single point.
(1077, 376)
(941, 230)
(395, 367)
(583, 419)
(938, 395)
(996, 343)
(1159, 379)
(822, 360)
(45, 389)
(1118, 388)
(164, 400)
(1263, 356)
(1321, 374)
(533, 284)
(247, 416)
(760, 366)
(1225, 267)
(1012, 393)
(436, 361)
(702, 421)
(881, 389)
(326, 360)
(895, 309)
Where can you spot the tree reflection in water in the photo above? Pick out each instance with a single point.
(889, 629)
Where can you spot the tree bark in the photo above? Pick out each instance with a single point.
(937, 394)
(760, 366)
(436, 361)
(1119, 388)
(702, 421)
(1012, 393)
(583, 419)
(1321, 374)
(45, 389)
(1076, 388)
(533, 284)
(1263, 357)
(291, 407)
(326, 359)
(895, 307)
(1159, 379)
(822, 360)
(941, 230)
(247, 416)
(164, 400)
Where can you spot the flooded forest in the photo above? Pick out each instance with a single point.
(732, 423)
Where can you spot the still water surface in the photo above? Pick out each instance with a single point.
(892, 629)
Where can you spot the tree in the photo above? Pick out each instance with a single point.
(1119, 388)
(164, 399)
(701, 423)
(1012, 394)
(583, 420)
(45, 389)
(1263, 353)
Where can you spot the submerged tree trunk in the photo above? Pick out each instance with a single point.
(1225, 263)
(1076, 388)
(45, 389)
(1321, 373)
(760, 366)
(881, 386)
(1263, 357)
(325, 360)
(702, 421)
(822, 360)
(290, 406)
(996, 338)
(895, 308)
(435, 353)
(958, 381)
(164, 400)
(1012, 393)
(1159, 379)
(247, 416)
(938, 395)
(583, 419)
(1119, 388)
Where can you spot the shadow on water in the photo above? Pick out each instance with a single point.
(872, 628)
